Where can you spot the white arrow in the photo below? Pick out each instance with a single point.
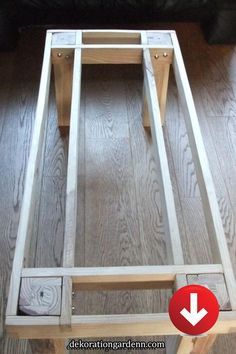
(194, 316)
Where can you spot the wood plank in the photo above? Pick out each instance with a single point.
(105, 109)
(146, 179)
(72, 169)
(56, 149)
(223, 132)
(189, 210)
(40, 296)
(179, 344)
(158, 37)
(29, 197)
(111, 54)
(59, 38)
(216, 283)
(204, 345)
(98, 326)
(63, 75)
(196, 237)
(169, 211)
(210, 205)
(185, 345)
(59, 346)
(71, 190)
(66, 303)
(110, 216)
(50, 223)
(179, 144)
(110, 37)
(145, 115)
(162, 272)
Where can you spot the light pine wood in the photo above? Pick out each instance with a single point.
(161, 272)
(100, 326)
(71, 189)
(178, 344)
(63, 73)
(145, 115)
(40, 296)
(108, 37)
(203, 345)
(59, 346)
(161, 64)
(66, 303)
(111, 56)
(72, 171)
(185, 345)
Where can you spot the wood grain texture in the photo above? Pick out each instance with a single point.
(63, 73)
(56, 149)
(106, 115)
(145, 176)
(216, 283)
(50, 227)
(40, 296)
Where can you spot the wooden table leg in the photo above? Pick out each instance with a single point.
(161, 72)
(63, 73)
(59, 346)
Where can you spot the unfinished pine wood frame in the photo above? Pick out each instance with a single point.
(52, 317)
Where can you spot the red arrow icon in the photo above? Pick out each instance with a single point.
(193, 309)
(194, 316)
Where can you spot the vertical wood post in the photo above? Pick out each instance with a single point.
(63, 76)
(161, 68)
(59, 346)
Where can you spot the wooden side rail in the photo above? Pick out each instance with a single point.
(27, 318)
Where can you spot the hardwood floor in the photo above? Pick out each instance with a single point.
(119, 216)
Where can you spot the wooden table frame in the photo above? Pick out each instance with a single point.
(156, 50)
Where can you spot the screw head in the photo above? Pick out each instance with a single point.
(59, 55)
(165, 55)
(156, 56)
(73, 308)
(67, 57)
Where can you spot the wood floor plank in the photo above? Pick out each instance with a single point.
(111, 222)
(223, 132)
(51, 223)
(105, 113)
(179, 143)
(145, 177)
(56, 148)
(225, 192)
